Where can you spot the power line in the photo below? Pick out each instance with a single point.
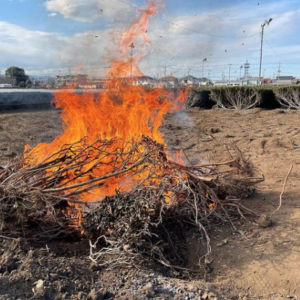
(189, 29)
(275, 51)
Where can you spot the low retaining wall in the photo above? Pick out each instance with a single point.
(28, 99)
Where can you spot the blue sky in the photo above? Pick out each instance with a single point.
(48, 37)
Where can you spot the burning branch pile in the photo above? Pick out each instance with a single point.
(161, 199)
(107, 177)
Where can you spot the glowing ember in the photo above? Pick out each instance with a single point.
(123, 112)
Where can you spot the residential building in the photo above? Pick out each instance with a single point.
(144, 81)
(6, 80)
(5, 86)
(250, 81)
(190, 81)
(168, 82)
(205, 82)
(285, 80)
(69, 80)
(266, 81)
(224, 83)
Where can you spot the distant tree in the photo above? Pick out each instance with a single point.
(22, 84)
(17, 74)
(28, 83)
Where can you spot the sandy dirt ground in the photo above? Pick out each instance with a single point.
(264, 262)
(254, 263)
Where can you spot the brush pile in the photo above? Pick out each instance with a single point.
(147, 219)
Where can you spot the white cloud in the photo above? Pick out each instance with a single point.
(52, 15)
(88, 10)
(45, 51)
(183, 51)
(179, 50)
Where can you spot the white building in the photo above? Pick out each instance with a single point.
(168, 82)
(250, 81)
(144, 81)
(5, 86)
(189, 81)
(285, 80)
(205, 82)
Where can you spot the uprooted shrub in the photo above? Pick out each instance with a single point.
(288, 97)
(235, 97)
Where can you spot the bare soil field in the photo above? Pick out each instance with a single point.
(249, 263)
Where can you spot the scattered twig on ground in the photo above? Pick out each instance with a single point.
(283, 190)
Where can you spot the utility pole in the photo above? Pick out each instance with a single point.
(241, 67)
(204, 60)
(131, 59)
(165, 76)
(229, 72)
(279, 70)
(267, 22)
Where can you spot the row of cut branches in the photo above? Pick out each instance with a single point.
(288, 97)
(235, 97)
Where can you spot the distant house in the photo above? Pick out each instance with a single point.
(205, 82)
(190, 81)
(5, 86)
(266, 81)
(221, 83)
(250, 81)
(144, 81)
(168, 82)
(68, 80)
(6, 80)
(284, 80)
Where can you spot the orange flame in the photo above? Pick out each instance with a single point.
(122, 111)
(136, 33)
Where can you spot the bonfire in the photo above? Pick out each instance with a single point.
(109, 177)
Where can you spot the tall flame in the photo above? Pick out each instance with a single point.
(123, 111)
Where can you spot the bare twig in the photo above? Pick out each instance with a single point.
(283, 190)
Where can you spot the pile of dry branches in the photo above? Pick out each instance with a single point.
(149, 219)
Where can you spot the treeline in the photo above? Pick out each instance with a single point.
(245, 97)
